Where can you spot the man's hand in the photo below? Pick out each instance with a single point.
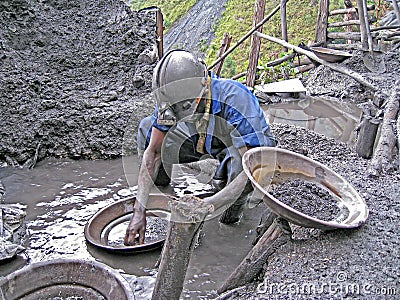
(137, 226)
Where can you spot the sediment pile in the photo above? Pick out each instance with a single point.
(70, 77)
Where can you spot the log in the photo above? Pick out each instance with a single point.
(385, 27)
(259, 9)
(354, 36)
(276, 235)
(367, 130)
(343, 11)
(248, 34)
(381, 160)
(344, 23)
(341, 69)
(187, 218)
(322, 22)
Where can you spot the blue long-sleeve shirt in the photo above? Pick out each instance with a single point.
(236, 117)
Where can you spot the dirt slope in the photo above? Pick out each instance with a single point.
(70, 77)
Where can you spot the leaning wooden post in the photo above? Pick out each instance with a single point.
(187, 218)
(387, 140)
(277, 234)
(224, 46)
(259, 8)
(322, 22)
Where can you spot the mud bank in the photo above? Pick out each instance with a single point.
(70, 77)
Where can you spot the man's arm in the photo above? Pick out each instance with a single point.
(148, 171)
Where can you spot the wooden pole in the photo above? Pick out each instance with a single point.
(160, 32)
(259, 8)
(187, 218)
(387, 140)
(363, 28)
(252, 264)
(224, 46)
(343, 11)
(248, 34)
(284, 23)
(322, 22)
(341, 69)
(367, 130)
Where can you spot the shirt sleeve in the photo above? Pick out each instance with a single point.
(162, 128)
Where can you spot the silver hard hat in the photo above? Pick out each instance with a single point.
(178, 79)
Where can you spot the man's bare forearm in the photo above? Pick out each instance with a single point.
(147, 174)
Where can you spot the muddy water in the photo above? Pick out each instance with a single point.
(329, 117)
(61, 195)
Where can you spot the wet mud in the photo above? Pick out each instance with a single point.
(71, 82)
(308, 198)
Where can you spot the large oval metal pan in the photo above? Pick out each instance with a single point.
(265, 165)
(65, 278)
(100, 224)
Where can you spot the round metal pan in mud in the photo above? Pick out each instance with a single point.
(65, 279)
(101, 228)
(265, 166)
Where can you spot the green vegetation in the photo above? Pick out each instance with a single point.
(171, 9)
(237, 21)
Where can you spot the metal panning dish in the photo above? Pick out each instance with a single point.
(265, 166)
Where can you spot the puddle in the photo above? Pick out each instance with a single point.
(328, 117)
(62, 195)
